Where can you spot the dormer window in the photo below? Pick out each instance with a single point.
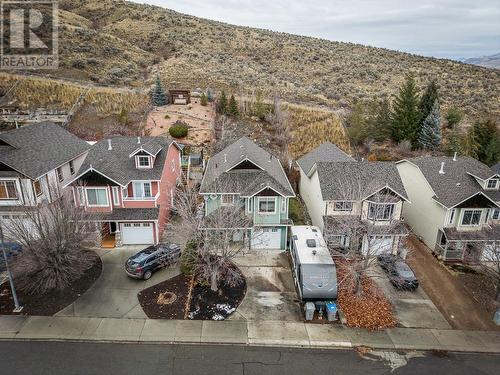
(492, 184)
(143, 161)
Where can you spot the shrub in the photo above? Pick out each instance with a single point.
(179, 129)
(188, 258)
(295, 212)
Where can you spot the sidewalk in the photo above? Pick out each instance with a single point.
(264, 333)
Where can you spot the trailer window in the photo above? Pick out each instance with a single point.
(311, 242)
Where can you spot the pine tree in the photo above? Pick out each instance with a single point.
(233, 107)
(492, 151)
(158, 95)
(427, 100)
(210, 95)
(453, 116)
(484, 132)
(430, 132)
(258, 107)
(382, 120)
(470, 144)
(203, 99)
(222, 103)
(405, 117)
(453, 141)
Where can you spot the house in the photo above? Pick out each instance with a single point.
(179, 96)
(356, 204)
(127, 184)
(36, 161)
(247, 177)
(454, 205)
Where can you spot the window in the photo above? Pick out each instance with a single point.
(116, 198)
(380, 211)
(342, 206)
(8, 190)
(227, 200)
(37, 187)
(60, 175)
(495, 215)
(127, 225)
(143, 162)
(97, 196)
(124, 192)
(142, 189)
(250, 205)
(283, 205)
(471, 217)
(137, 225)
(71, 167)
(267, 205)
(492, 183)
(452, 216)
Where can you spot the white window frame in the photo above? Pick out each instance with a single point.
(266, 199)
(250, 205)
(344, 206)
(144, 183)
(71, 167)
(473, 211)
(488, 187)
(60, 174)
(495, 214)
(229, 202)
(116, 198)
(34, 188)
(451, 218)
(96, 205)
(138, 161)
(377, 211)
(283, 205)
(15, 182)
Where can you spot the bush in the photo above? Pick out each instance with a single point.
(295, 212)
(179, 129)
(188, 258)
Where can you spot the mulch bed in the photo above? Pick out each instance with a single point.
(205, 304)
(482, 289)
(371, 310)
(53, 301)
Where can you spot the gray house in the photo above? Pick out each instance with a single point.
(454, 205)
(245, 176)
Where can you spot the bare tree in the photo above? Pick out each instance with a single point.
(356, 236)
(51, 236)
(282, 133)
(490, 265)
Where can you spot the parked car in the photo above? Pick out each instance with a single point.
(11, 250)
(145, 262)
(400, 274)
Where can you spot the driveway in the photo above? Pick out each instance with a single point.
(271, 292)
(114, 294)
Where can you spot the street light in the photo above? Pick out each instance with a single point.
(17, 308)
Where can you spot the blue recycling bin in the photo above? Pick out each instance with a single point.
(331, 311)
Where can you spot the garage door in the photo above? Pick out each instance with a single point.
(137, 233)
(378, 245)
(266, 238)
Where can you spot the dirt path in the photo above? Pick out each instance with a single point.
(454, 302)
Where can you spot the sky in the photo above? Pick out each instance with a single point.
(441, 28)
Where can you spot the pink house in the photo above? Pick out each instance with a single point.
(129, 182)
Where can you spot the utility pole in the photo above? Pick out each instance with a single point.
(17, 308)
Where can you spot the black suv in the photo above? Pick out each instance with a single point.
(145, 262)
(400, 274)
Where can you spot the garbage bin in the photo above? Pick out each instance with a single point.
(331, 311)
(309, 307)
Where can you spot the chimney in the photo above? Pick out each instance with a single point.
(455, 156)
(441, 171)
(138, 140)
(109, 145)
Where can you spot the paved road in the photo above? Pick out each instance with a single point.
(88, 358)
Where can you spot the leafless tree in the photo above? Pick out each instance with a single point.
(354, 236)
(282, 134)
(490, 265)
(219, 237)
(51, 236)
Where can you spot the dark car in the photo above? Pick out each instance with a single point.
(400, 274)
(145, 262)
(11, 250)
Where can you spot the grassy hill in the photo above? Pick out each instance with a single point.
(118, 42)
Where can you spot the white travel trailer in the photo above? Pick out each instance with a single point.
(313, 268)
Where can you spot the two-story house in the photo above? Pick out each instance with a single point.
(128, 184)
(454, 205)
(36, 161)
(356, 204)
(247, 177)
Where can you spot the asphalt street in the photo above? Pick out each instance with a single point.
(38, 357)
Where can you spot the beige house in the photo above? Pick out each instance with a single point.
(454, 205)
(356, 204)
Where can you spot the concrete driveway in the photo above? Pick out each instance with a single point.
(271, 292)
(114, 294)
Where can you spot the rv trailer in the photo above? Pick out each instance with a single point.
(313, 267)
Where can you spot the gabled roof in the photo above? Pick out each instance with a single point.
(117, 165)
(34, 150)
(458, 183)
(151, 147)
(496, 168)
(358, 180)
(221, 176)
(326, 152)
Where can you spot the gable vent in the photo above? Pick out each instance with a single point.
(441, 171)
(109, 145)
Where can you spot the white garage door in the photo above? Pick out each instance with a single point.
(266, 238)
(137, 233)
(378, 245)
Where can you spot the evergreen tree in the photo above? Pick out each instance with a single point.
(453, 141)
(357, 127)
(427, 100)
(492, 151)
(453, 116)
(158, 95)
(405, 116)
(259, 109)
(382, 120)
(203, 99)
(430, 132)
(485, 132)
(470, 144)
(210, 95)
(222, 103)
(233, 107)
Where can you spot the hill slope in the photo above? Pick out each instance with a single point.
(492, 61)
(118, 42)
